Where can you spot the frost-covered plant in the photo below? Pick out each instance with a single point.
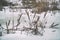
(18, 21)
(35, 28)
(7, 28)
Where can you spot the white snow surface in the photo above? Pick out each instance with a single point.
(48, 35)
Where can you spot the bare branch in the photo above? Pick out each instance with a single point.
(53, 25)
(45, 14)
(27, 14)
(34, 15)
(19, 17)
(7, 24)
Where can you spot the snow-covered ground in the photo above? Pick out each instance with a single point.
(49, 34)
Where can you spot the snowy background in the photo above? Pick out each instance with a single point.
(49, 33)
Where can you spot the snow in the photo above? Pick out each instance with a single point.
(19, 36)
(48, 35)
